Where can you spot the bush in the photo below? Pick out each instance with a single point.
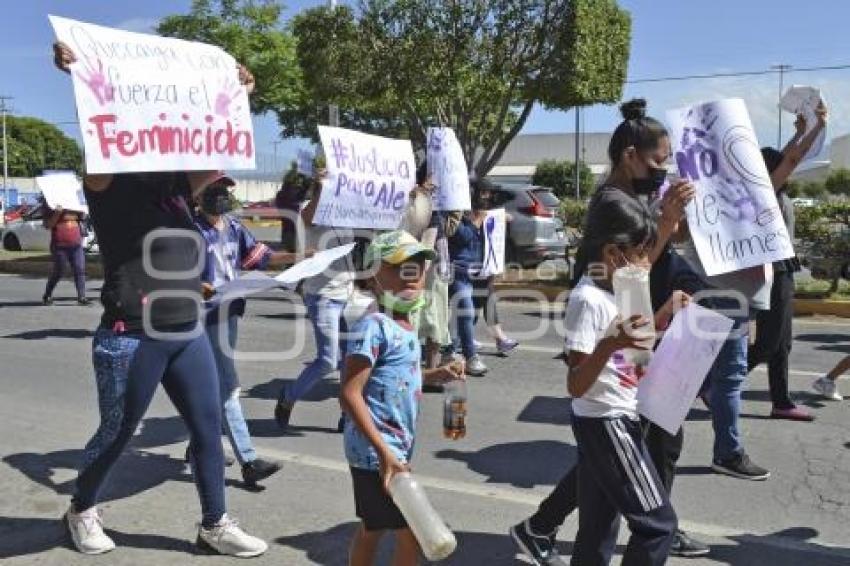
(560, 177)
(572, 213)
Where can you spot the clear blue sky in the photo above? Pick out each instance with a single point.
(669, 37)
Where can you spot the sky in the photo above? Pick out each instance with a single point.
(669, 38)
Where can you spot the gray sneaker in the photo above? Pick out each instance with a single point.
(475, 367)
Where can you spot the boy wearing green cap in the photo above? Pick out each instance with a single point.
(381, 390)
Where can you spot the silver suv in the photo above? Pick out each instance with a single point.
(536, 233)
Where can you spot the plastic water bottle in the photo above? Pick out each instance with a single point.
(454, 409)
(631, 294)
(434, 537)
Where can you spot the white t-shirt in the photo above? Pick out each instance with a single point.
(589, 314)
(337, 281)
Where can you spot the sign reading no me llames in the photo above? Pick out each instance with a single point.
(150, 103)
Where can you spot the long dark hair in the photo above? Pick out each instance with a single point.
(624, 222)
(637, 129)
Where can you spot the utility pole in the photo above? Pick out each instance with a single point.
(577, 176)
(333, 109)
(274, 163)
(3, 110)
(781, 69)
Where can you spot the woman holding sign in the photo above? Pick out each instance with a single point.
(150, 333)
(66, 245)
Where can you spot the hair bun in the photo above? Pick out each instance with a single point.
(634, 109)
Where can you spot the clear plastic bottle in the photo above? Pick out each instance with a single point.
(454, 409)
(631, 294)
(434, 537)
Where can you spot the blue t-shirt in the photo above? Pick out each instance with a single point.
(392, 392)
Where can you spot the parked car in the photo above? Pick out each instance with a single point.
(16, 212)
(29, 234)
(535, 234)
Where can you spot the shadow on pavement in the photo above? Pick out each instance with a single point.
(324, 390)
(5, 304)
(52, 333)
(755, 550)
(499, 462)
(546, 410)
(21, 536)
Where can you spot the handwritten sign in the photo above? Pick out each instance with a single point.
(734, 219)
(494, 243)
(63, 189)
(369, 179)
(680, 364)
(448, 170)
(805, 100)
(149, 103)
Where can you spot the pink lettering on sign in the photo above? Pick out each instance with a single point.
(170, 139)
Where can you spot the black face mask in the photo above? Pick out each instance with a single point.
(216, 200)
(650, 184)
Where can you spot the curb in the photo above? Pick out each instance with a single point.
(510, 291)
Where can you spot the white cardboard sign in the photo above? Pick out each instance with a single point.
(448, 170)
(63, 189)
(369, 180)
(735, 220)
(150, 103)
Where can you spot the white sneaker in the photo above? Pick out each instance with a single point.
(227, 538)
(87, 531)
(828, 388)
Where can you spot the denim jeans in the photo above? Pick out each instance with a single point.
(725, 381)
(463, 315)
(235, 426)
(328, 328)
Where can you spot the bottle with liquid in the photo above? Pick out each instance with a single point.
(631, 295)
(434, 537)
(454, 409)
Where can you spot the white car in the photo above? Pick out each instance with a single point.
(29, 234)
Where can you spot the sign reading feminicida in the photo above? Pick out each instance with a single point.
(150, 103)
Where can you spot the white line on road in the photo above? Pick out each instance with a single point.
(528, 499)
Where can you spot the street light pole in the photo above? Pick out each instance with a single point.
(3, 100)
(333, 109)
(577, 176)
(782, 69)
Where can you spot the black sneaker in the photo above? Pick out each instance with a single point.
(740, 467)
(686, 547)
(282, 414)
(83, 302)
(46, 301)
(539, 548)
(258, 470)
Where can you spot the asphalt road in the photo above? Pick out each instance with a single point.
(518, 445)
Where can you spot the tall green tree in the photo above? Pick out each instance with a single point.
(36, 145)
(254, 33)
(838, 182)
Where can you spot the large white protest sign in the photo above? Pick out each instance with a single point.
(804, 100)
(369, 179)
(448, 171)
(734, 219)
(494, 243)
(680, 364)
(150, 103)
(63, 189)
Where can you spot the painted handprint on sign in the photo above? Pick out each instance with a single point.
(94, 77)
(228, 93)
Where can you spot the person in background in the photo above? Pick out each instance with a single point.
(289, 200)
(774, 327)
(827, 386)
(66, 245)
(381, 390)
(325, 296)
(143, 220)
(231, 248)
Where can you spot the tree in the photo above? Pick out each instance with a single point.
(814, 189)
(838, 182)
(560, 177)
(36, 146)
(253, 33)
(825, 233)
(479, 66)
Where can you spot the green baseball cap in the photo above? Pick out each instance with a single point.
(395, 248)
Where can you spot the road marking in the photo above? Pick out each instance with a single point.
(515, 496)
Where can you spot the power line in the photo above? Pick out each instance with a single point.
(737, 74)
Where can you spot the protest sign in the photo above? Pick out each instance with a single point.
(63, 189)
(448, 171)
(150, 103)
(494, 243)
(368, 182)
(734, 219)
(804, 100)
